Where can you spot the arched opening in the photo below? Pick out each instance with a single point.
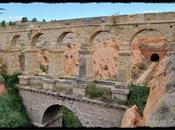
(105, 56)
(60, 116)
(154, 57)
(144, 43)
(71, 46)
(14, 40)
(52, 117)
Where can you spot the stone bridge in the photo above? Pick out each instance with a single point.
(42, 104)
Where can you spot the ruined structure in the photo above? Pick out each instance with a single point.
(42, 94)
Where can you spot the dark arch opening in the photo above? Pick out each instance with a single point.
(154, 57)
(51, 114)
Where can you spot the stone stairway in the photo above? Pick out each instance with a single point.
(144, 76)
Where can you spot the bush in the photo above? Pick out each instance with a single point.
(34, 20)
(3, 23)
(43, 68)
(11, 23)
(44, 20)
(69, 119)
(24, 19)
(138, 96)
(95, 92)
(12, 111)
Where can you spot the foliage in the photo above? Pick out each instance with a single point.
(24, 19)
(43, 68)
(44, 20)
(96, 92)
(138, 96)
(11, 23)
(12, 111)
(34, 20)
(3, 23)
(69, 119)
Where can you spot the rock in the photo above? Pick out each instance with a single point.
(132, 118)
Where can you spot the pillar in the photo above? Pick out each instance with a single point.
(124, 66)
(31, 64)
(56, 62)
(86, 71)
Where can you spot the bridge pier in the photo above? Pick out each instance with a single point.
(56, 62)
(31, 64)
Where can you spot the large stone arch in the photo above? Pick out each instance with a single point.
(13, 39)
(71, 49)
(134, 32)
(35, 38)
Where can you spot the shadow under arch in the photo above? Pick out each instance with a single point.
(60, 113)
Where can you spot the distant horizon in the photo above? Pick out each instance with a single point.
(67, 11)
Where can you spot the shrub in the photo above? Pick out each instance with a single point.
(3, 23)
(69, 119)
(24, 19)
(44, 20)
(138, 95)
(34, 20)
(43, 68)
(93, 91)
(11, 23)
(12, 111)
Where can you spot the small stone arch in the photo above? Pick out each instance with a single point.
(54, 110)
(35, 37)
(14, 39)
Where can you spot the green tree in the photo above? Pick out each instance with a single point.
(10, 23)
(24, 19)
(34, 20)
(44, 20)
(3, 23)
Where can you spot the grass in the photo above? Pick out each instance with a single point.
(138, 96)
(69, 119)
(43, 68)
(12, 111)
(96, 92)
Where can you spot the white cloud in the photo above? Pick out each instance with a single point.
(11, 18)
(150, 11)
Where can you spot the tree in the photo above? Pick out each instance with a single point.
(3, 23)
(34, 20)
(24, 19)
(44, 20)
(10, 23)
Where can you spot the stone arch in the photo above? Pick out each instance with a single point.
(35, 38)
(14, 39)
(50, 112)
(135, 33)
(105, 54)
(68, 40)
(54, 110)
(94, 34)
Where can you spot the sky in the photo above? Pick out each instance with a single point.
(62, 11)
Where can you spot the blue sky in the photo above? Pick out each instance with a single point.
(15, 11)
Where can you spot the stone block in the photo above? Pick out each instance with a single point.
(49, 84)
(119, 94)
(24, 80)
(79, 90)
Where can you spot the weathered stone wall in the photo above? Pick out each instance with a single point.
(90, 113)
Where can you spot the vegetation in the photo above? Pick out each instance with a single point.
(43, 68)
(34, 20)
(96, 92)
(3, 23)
(44, 20)
(24, 19)
(138, 96)
(12, 111)
(11, 23)
(69, 119)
